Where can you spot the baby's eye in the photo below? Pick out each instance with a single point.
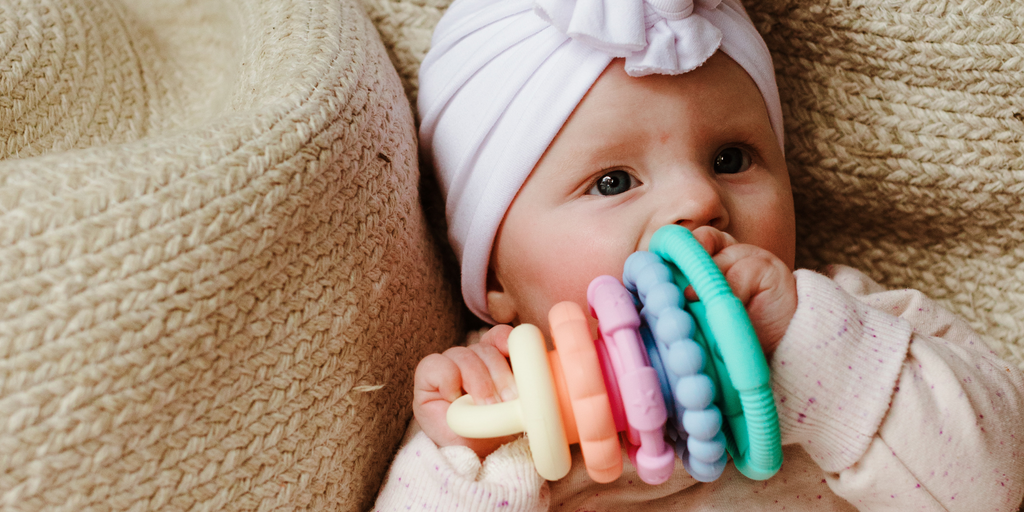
(731, 161)
(612, 183)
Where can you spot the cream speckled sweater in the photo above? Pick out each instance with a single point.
(886, 402)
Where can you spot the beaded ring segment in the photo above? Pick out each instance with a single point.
(732, 355)
(680, 362)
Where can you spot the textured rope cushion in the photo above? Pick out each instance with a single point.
(905, 125)
(905, 140)
(215, 274)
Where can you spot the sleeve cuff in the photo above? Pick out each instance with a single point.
(425, 477)
(835, 371)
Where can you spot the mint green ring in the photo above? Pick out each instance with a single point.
(745, 395)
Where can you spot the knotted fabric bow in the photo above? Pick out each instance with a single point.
(654, 36)
(503, 76)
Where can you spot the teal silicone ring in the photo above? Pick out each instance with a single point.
(752, 433)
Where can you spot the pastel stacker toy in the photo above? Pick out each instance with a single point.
(619, 382)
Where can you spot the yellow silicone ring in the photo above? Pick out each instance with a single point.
(484, 421)
(539, 402)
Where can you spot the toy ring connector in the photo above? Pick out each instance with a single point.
(736, 366)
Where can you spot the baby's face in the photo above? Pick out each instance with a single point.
(636, 154)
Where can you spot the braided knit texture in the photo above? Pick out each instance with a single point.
(406, 27)
(904, 139)
(215, 273)
(905, 143)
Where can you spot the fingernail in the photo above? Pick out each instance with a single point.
(510, 393)
(490, 400)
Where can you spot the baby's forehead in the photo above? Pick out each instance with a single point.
(718, 78)
(618, 106)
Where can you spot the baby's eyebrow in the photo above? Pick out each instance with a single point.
(595, 149)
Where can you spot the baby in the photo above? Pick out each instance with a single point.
(565, 134)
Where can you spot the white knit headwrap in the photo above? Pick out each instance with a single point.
(503, 76)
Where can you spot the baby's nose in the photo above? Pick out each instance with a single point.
(700, 204)
(692, 200)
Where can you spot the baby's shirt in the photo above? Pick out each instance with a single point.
(886, 401)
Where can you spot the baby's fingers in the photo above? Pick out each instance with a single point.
(474, 364)
(713, 240)
(435, 385)
(437, 377)
(497, 337)
(759, 272)
(499, 370)
(493, 351)
(766, 287)
(438, 382)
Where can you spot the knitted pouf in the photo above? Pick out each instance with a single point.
(215, 274)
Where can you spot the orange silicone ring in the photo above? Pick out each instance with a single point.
(598, 438)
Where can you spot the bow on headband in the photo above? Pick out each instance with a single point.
(655, 36)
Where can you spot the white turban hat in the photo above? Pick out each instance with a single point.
(503, 76)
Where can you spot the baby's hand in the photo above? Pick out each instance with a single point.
(763, 282)
(481, 369)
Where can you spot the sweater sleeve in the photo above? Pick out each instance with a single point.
(425, 477)
(898, 400)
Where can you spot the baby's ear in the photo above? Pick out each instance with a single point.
(499, 302)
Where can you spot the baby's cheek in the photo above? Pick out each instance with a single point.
(569, 283)
(770, 229)
(555, 289)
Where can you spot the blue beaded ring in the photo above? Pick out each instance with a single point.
(722, 403)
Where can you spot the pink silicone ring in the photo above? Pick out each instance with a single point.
(637, 381)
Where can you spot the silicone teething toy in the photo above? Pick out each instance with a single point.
(634, 378)
(737, 364)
